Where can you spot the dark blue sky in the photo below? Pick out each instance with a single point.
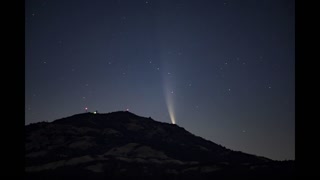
(225, 68)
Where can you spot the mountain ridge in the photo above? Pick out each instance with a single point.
(130, 140)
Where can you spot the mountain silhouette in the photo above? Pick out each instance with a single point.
(122, 145)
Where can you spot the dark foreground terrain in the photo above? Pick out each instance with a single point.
(122, 145)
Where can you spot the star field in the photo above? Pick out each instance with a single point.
(225, 66)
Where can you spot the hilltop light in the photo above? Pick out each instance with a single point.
(95, 112)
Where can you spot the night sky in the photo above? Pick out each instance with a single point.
(222, 69)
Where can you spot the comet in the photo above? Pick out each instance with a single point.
(171, 113)
(170, 107)
(169, 96)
